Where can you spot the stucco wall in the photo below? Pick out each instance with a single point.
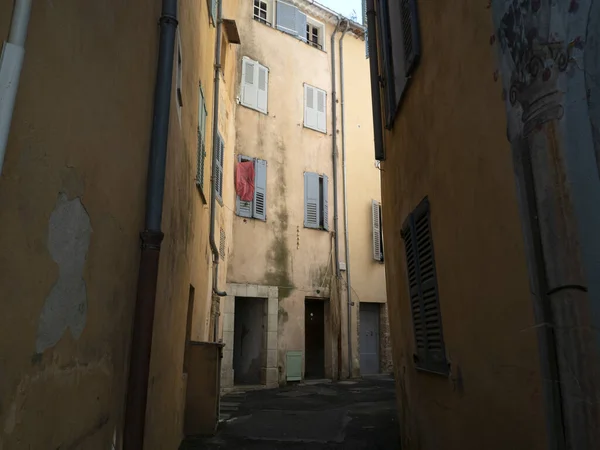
(73, 199)
(449, 143)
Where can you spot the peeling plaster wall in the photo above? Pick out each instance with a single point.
(449, 143)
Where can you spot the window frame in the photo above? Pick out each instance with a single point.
(310, 22)
(270, 10)
(322, 222)
(315, 108)
(425, 359)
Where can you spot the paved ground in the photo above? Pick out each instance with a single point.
(348, 415)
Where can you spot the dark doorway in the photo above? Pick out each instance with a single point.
(249, 340)
(369, 338)
(314, 339)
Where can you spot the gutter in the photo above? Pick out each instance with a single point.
(11, 63)
(375, 93)
(151, 237)
(213, 189)
(346, 233)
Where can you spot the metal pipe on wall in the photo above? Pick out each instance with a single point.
(11, 63)
(344, 185)
(151, 237)
(213, 186)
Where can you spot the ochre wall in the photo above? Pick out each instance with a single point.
(449, 143)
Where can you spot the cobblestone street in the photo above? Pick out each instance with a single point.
(357, 414)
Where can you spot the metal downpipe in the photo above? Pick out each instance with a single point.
(213, 186)
(346, 234)
(151, 237)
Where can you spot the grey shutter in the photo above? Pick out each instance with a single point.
(364, 22)
(376, 230)
(213, 11)
(325, 203)
(311, 200)
(410, 32)
(260, 189)
(219, 172)
(286, 18)
(242, 208)
(301, 25)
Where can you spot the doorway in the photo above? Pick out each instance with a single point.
(249, 344)
(314, 339)
(369, 338)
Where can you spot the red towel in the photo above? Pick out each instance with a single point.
(244, 181)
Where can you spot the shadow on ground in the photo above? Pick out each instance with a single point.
(348, 415)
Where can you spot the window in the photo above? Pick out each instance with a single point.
(255, 85)
(257, 207)
(315, 102)
(398, 34)
(263, 11)
(314, 33)
(316, 213)
(377, 232)
(422, 282)
(178, 80)
(201, 150)
(219, 167)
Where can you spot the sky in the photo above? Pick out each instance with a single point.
(345, 7)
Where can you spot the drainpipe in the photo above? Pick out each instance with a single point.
(336, 243)
(213, 185)
(151, 237)
(346, 237)
(375, 94)
(11, 62)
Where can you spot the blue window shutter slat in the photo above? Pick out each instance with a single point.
(325, 203)
(260, 189)
(286, 18)
(301, 25)
(243, 209)
(311, 200)
(364, 22)
(213, 11)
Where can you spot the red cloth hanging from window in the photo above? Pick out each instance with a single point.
(244, 181)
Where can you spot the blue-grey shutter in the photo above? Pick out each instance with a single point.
(286, 18)
(260, 189)
(410, 32)
(364, 22)
(301, 25)
(213, 11)
(325, 203)
(376, 225)
(242, 208)
(311, 200)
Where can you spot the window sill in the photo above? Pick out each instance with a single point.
(274, 27)
(253, 108)
(316, 229)
(314, 129)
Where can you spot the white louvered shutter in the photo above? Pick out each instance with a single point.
(263, 89)
(376, 230)
(311, 200)
(249, 83)
(310, 111)
(260, 189)
(321, 110)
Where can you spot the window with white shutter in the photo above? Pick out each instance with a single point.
(316, 196)
(219, 167)
(257, 207)
(430, 353)
(255, 85)
(377, 231)
(315, 108)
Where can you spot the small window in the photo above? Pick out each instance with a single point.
(201, 146)
(314, 33)
(399, 37)
(219, 167)
(263, 12)
(377, 231)
(316, 200)
(178, 80)
(423, 291)
(255, 205)
(255, 85)
(315, 108)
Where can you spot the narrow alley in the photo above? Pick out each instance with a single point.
(357, 414)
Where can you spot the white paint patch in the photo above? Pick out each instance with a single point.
(69, 232)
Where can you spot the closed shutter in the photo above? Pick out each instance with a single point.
(286, 18)
(201, 145)
(213, 11)
(219, 167)
(249, 83)
(263, 86)
(243, 208)
(301, 25)
(260, 189)
(364, 22)
(310, 111)
(424, 290)
(311, 200)
(321, 111)
(325, 203)
(376, 231)
(410, 33)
